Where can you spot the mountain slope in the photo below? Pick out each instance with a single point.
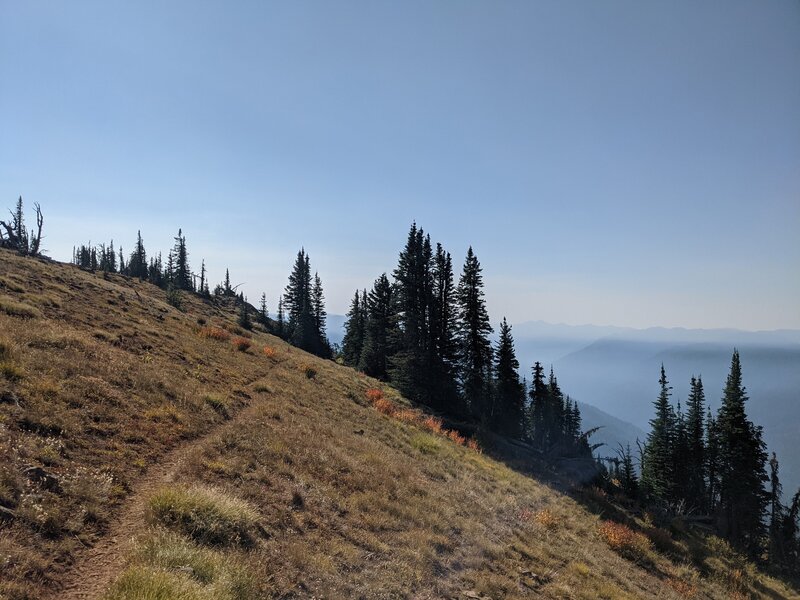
(142, 447)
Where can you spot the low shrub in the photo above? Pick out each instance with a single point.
(206, 515)
(433, 424)
(309, 371)
(545, 518)
(626, 542)
(10, 372)
(456, 437)
(385, 406)
(473, 445)
(215, 333)
(374, 394)
(242, 344)
(270, 353)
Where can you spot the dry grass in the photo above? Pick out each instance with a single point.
(242, 344)
(389, 508)
(625, 541)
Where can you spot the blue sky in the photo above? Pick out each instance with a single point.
(627, 163)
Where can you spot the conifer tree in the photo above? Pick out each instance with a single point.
(321, 345)
(263, 313)
(475, 350)
(409, 366)
(301, 328)
(443, 345)
(380, 329)
(657, 467)
(712, 461)
(244, 314)
(776, 549)
(227, 290)
(137, 264)
(696, 468)
(628, 480)
(510, 395)
(354, 330)
(182, 274)
(680, 459)
(537, 407)
(281, 324)
(742, 496)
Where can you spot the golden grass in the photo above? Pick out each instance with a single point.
(205, 514)
(18, 309)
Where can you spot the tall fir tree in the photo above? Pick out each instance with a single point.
(137, 264)
(354, 331)
(442, 330)
(322, 346)
(475, 349)
(380, 329)
(537, 407)
(182, 274)
(696, 467)
(263, 313)
(657, 467)
(281, 319)
(509, 393)
(743, 456)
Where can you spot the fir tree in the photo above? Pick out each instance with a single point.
(137, 264)
(442, 329)
(712, 461)
(380, 329)
(628, 480)
(321, 345)
(696, 468)
(301, 328)
(657, 467)
(510, 395)
(182, 274)
(263, 313)
(354, 330)
(475, 350)
(281, 324)
(244, 314)
(538, 407)
(742, 497)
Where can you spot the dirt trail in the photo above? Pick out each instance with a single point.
(96, 568)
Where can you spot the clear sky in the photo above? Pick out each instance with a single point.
(628, 163)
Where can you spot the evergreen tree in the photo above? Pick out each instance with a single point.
(776, 549)
(628, 480)
(475, 350)
(743, 498)
(137, 264)
(302, 330)
(281, 324)
(182, 274)
(510, 395)
(380, 329)
(354, 330)
(680, 460)
(442, 329)
(657, 467)
(244, 314)
(263, 313)
(712, 461)
(409, 365)
(227, 290)
(538, 407)
(696, 468)
(322, 346)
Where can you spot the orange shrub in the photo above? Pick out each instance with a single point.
(625, 541)
(472, 444)
(241, 344)
(374, 394)
(270, 352)
(433, 424)
(545, 518)
(215, 333)
(456, 437)
(385, 406)
(684, 588)
(407, 415)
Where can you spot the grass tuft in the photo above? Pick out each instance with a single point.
(205, 514)
(18, 309)
(626, 542)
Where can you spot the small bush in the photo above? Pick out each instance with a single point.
(374, 394)
(215, 333)
(408, 415)
(433, 424)
(456, 437)
(626, 542)
(270, 353)
(309, 371)
(262, 388)
(545, 518)
(18, 309)
(473, 445)
(137, 583)
(174, 298)
(207, 515)
(201, 321)
(242, 344)
(385, 406)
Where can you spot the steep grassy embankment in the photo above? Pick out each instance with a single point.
(144, 451)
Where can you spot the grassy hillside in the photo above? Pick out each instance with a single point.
(148, 453)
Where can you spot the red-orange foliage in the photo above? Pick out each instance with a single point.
(374, 394)
(385, 406)
(624, 540)
(215, 333)
(456, 437)
(241, 344)
(408, 415)
(270, 352)
(472, 444)
(433, 424)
